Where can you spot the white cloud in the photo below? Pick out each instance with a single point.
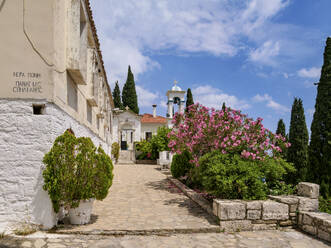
(117, 60)
(259, 98)
(265, 54)
(270, 103)
(147, 98)
(313, 72)
(133, 30)
(214, 98)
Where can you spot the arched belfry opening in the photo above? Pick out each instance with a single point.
(176, 96)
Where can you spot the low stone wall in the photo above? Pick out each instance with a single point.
(238, 215)
(317, 224)
(277, 212)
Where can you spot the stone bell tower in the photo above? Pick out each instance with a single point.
(175, 96)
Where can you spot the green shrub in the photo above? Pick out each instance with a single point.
(181, 165)
(275, 172)
(150, 149)
(103, 174)
(115, 151)
(229, 176)
(325, 204)
(76, 170)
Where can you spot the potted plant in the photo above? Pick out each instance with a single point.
(76, 173)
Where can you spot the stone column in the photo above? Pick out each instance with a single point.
(170, 108)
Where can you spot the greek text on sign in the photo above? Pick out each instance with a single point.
(27, 82)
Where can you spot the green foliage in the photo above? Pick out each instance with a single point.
(281, 128)
(325, 204)
(181, 165)
(115, 150)
(102, 174)
(117, 96)
(232, 177)
(320, 142)
(129, 95)
(76, 170)
(274, 171)
(189, 99)
(298, 137)
(150, 149)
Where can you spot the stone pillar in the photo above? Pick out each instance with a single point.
(170, 108)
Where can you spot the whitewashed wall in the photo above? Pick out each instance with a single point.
(24, 139)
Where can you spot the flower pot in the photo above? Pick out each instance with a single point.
(82, 214)
(61, 214)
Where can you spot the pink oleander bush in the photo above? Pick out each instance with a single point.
(202, 130)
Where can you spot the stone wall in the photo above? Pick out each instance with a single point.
(239, 215)
(317, 224)
(24, 139)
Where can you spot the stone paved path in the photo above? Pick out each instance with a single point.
(141, 198)
(258, 239)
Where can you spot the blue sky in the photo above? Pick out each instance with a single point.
(255, 55)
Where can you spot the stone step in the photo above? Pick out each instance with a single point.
(125, 162)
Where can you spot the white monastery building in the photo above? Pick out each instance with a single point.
(53, 79)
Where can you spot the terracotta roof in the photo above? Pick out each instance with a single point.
(97, 44)
(148, 118)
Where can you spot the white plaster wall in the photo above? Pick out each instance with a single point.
(24, 139)
(150, 127)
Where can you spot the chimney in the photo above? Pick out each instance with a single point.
(154, 110)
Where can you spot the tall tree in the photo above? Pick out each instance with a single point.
(282, 131)
(129, 95)
(281, 128)
(298, 137)
(320, 142)
(189, 99)
(117, 96)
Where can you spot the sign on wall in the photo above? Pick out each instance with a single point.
(27, 82)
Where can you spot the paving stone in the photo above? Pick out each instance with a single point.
(235, 225)
(39, 243)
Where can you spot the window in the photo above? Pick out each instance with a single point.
(148, 135)
(88, 112)
(38, 109)
(72, 97)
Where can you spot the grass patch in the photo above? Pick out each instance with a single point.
(2, 235)
(25, 229)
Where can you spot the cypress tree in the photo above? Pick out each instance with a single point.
(298, 137)
(281, 128)
(189, 99)
(117, 96)
(129, 95)
(320, 142)
(282, 131)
